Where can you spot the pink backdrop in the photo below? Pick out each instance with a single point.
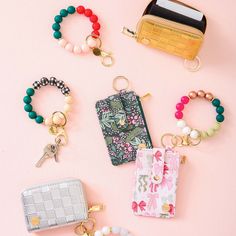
(207, 188)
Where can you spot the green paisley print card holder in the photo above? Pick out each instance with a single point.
(123, 126)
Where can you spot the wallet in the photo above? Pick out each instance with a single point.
(171, 26)
(156, 182)
(55, 204)
(123, 126)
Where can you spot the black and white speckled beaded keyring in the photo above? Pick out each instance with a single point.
(58, 119)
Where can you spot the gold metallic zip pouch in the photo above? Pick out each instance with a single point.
(164, 27)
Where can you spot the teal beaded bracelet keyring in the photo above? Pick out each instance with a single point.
(56, 123)
(92, 43)
(192, 136)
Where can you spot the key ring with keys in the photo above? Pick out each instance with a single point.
(56, 122)
(92, 42)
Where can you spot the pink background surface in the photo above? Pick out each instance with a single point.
(207, 188)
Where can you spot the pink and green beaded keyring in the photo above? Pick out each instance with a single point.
(192, 136)
(56, 122)
(92, 42)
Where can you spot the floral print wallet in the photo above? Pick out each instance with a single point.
(123, 125)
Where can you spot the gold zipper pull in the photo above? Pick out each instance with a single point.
(147, 95)
(96, 208)
(129, 32)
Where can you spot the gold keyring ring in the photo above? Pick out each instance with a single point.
(64, 116)
(195, 64)
(120, 77)
(192, 143)
(95, 37)
(178, 141)
(61, 139)
(89, 224)
(163, 138)
(80, 229)
(108, 58)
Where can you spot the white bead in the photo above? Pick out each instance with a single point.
(85, 48)
(115, 230)
(123, 232)
(186, 130)
(48, 121)
(194, 134)
(77, 49)
(56, 119)
(106, 230)
(181, 124)
(62, 42)
(68, 99)
(92, 43)
(69, 47)
(67, 107)
(98, 233)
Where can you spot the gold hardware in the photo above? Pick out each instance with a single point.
(35, 221)
(56, 129)
(85, 228)
(142, 146)
(183, 159)
(115, 81)
(129, 32)
(193, 65)
(96, 208)
(147, 95)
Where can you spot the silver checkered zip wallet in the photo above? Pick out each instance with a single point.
(54, 204)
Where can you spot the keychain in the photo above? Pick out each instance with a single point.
(92, 43)
(56, 123)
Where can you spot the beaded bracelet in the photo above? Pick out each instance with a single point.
(112, 230)
(194, 133)
(92, 42)
(56, 122)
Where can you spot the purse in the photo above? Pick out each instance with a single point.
(156, 182)
(54, 204)
(173, 27)
(123, 126)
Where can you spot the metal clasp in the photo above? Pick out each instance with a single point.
(129, 32)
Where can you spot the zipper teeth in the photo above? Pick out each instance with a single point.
(162, 20)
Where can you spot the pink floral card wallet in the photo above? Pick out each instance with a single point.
(123, 126)
(156, 182)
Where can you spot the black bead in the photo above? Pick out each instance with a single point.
(36, 85)
(60, 84)
(44, 81)
(65, 91)
(52, 81)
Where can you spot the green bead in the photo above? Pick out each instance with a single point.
(39, 119)
(57, 34)
(30, 91)
(63, 12)
(58, 19)
(56, 26)
(32, 115)
(220, 118)
(220, 109)
(27, 99)
(28, 107)
(71, 10)
(216, 102)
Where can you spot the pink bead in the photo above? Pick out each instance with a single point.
(185, 100)
(92, 43)
(69, 47)
(77, 50)
(62, 42)
(85, 48)
(180, 106)
(178, 115)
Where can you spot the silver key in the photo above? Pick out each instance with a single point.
(50, 151)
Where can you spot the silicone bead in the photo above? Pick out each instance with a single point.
(194, 134)
(57, 34)
(63, 12)
(186, 130)
(88, 12)
(28, 107)
(96, 32)
(92, 42)
(39, 119)
(68, 99)
(30, 92)
(106, 230)
(27, 99)
(180, 106)
(185, 100)
(96, 26)
(62, 42)
(204, 134)
(220, 118)
(181, 124)
(71, 10)
(217, 126)
(85, 48)
(115, 230)
(210, 132)
(32, 115)
(58, 19)
(93, 18)
(98, 233)
(48, 121)
(216, 102)
(69, 47)
(80, 9)
(56, 26)
(77, 49)
(220, 109)
(179, 115)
